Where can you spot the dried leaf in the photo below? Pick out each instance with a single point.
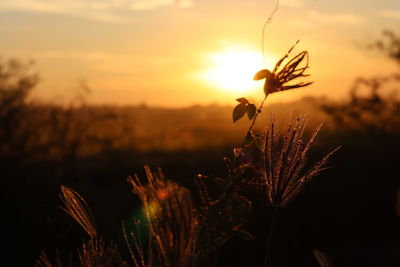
(242, 100)
(238, 112)
(262, 74)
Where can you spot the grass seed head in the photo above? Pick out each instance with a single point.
(285, 161)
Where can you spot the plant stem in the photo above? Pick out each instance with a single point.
(255, 116)
(271, 228)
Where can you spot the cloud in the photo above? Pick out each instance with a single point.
(117, 63)
(148, 5)
(301, 24)
(390, 14)
(103, 10)
(292, 3)
(153, 4)
(338, 18)
(185, 3)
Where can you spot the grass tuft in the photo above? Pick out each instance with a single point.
(171, 218)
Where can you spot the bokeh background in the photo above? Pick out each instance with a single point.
(91, 91)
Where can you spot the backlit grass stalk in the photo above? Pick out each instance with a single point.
(285, 160)
(93, 252)
(78, 209)
(171, 218)
(286, 169)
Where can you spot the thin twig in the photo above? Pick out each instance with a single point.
(268, 21)
(255, 116)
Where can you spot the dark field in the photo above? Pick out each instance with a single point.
(350, 212)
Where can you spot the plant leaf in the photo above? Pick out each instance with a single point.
(242, 100)
(262, 74)
(238, 112)
(251, 111)
(271, 86)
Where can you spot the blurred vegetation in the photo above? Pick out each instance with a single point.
(350, 213)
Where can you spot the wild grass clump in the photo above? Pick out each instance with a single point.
(285, 161)
(172, 222)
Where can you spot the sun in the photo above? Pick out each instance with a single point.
(233, 69)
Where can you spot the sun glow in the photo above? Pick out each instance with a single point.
(233, 70)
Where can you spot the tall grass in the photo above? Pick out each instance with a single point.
(93, 252)
(285, 161)
(172, 222)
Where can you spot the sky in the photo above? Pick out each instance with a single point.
(185, 52)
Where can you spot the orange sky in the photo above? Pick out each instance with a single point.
(178, 53)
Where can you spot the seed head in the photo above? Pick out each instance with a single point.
(278, 79)
(285, 161)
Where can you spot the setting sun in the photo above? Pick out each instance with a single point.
(232, 70)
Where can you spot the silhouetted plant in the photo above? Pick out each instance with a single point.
(285, 154)
(275, 81)
(224, 212)
(285, 159)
